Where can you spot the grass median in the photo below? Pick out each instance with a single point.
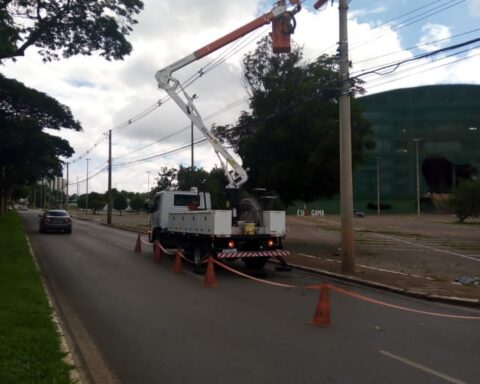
(29, 342)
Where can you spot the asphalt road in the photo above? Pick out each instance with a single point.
(155, 326)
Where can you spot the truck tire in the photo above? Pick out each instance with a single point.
(197, 258)
(255, 262)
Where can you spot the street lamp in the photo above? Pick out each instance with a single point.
(191, 133)
(86, 196)
(418, 175)
(378, 185)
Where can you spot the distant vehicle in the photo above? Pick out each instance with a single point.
(358, 213)
(23, 208)
(55, 220)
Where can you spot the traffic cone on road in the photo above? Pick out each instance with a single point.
(138, 245)
(322, 312)
(210, 280)
(177, 265)
(158, 252)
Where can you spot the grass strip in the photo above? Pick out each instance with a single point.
(29, 342)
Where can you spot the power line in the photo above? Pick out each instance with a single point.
(393, 66)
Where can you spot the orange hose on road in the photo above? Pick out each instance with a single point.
(374, 301)
(337, 289)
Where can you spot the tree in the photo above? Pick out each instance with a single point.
(166, 179)
(188, 178)
(57, 28)
(27, 153)
(96, 201)
(289, 140)
(120, 203)
(465, 200)
(137, 202)
(82, 201)
(67, 27)
(213, 182)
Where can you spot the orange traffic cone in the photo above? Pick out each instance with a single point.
(158, 252)
(177, 265)
(138, 245)
(210, 280)
(322, 312)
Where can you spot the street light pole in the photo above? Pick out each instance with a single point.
(192, 160)
(378, 185)
(418, 175)
(86, 196)
(148, 182)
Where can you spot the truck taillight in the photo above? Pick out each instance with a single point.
(231, 244)
(270, 243)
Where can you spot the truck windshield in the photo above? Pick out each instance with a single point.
(185, 200)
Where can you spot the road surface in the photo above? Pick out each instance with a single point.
(154, 326)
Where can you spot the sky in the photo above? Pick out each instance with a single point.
(123, 96)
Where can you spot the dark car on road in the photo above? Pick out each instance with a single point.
(55, 220)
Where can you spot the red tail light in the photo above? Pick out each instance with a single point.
(231, 244)
(270, 243)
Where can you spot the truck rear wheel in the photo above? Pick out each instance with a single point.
(255, 262)
(198, 258)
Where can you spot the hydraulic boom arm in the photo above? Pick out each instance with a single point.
(279, 16)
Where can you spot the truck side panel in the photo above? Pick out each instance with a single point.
(217, 222)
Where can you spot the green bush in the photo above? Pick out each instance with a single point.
(466, 200)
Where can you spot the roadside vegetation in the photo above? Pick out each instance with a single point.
(29, 342)
(465, 200)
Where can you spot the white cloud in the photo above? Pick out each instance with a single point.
(104, 94)
(367, 12)
(474, 7)
(434, 32)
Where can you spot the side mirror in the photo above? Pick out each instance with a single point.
(148, 207)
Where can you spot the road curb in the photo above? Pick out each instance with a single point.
(124, 228)
(401, 291)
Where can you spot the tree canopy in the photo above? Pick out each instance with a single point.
(67, 27)
(27, 153)
(290, 137)
(120, 203)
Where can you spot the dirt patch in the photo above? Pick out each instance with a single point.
(425, 254)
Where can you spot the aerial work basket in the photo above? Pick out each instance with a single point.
(282, 28)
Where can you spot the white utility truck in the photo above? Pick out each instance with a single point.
(185, 219)
(246, 230)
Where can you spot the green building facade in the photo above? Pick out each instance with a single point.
(442, 120)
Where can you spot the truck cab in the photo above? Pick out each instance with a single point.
(166, 202)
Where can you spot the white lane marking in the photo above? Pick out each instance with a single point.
(310, 256)
(423, 368)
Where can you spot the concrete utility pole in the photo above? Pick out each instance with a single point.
(68, 182)
(148, 181)
(378, 185)
(192, 161)
(346, 188)
(418, 176)
(86, 196)
(109, 193)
